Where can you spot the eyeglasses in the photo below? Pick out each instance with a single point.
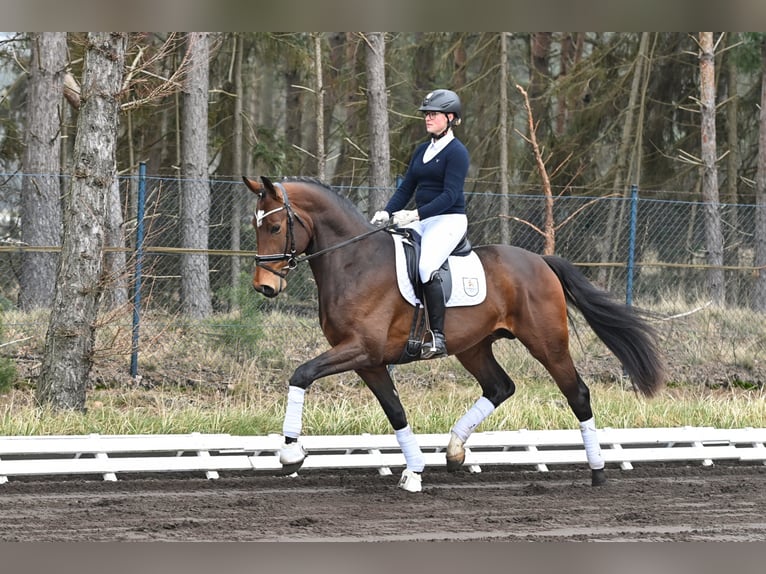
(431, 114)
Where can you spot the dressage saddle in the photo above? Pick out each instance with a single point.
(412, 256)
(412, 247)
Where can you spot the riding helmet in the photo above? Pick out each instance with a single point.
(445, 101)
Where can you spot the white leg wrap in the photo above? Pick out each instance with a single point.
(410, 449)
(292, 454)
(410, 481)
(294, 412)
(592, 447)
(480, 410)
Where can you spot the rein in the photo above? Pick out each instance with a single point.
(292, 259)
(308, 256)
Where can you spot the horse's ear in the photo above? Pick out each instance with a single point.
(253, 185)
(269, 187)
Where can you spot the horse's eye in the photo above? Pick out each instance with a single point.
(274, 229)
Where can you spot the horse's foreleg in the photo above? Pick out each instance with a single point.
(382, 386)
(339, 359)
(292, 454)
(496, 386)
(413, 457)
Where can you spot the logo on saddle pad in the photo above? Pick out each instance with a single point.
(466, 276)
(471, 286)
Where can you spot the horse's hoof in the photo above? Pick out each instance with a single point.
(291, 457)
(597, 477)
(455, 453)
(288, 469)
(455, 462)
(410, 481)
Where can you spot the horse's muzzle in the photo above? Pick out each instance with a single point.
(268, 290)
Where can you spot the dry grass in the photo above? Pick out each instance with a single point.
(199, 378)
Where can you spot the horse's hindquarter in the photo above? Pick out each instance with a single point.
(520, 286)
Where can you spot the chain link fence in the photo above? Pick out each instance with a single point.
(594, 233)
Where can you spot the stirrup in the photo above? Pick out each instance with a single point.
(410, 481)
(437, 347)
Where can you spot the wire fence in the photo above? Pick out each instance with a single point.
(666, 248)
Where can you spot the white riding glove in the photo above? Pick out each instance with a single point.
(405, 216)
(380, 217)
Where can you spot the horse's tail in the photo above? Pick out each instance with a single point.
(619, 326)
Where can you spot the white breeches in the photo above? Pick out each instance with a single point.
(440, 235)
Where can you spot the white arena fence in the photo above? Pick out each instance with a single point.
(110, 455)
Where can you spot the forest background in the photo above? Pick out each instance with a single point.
(675, 116)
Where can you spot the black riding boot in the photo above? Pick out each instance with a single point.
(434, 299)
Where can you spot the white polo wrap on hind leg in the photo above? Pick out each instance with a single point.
(292, 424)
(480, 410)
(592, 447)
(410, 449)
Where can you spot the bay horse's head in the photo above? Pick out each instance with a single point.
(281, 235)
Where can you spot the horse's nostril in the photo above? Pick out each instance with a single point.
(265, 290)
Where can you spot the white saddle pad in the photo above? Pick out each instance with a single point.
(469, 284)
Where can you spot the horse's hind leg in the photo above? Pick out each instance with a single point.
(496, 387)
(579, 401)
(382, 386)
(555, 357)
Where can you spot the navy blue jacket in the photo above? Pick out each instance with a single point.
(438, 184)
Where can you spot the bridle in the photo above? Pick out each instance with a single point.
(289, 253)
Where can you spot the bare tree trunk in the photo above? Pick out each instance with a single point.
(236, 193)
(115, 278)
(195, 196)
(540, 76)
(377, 113)
(459, 58)
(621, 167)
(319, 106)
(505, 207)
(731, 240)
(759, 293)
(68, 354)
(567, 58)
(713, 236)
(294, 109)
(335, 101)
(115, 273)
(41, 191)
(354, 120)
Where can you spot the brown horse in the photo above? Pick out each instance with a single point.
(367, 321)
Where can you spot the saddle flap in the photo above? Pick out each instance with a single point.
(463, 275)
